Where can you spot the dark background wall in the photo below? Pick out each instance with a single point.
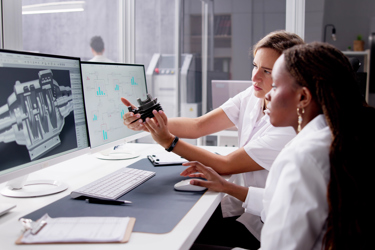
(351, 18)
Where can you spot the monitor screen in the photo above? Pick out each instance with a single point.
(42, 114)
(104, 84)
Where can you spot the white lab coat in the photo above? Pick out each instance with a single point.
(261, 141)
(100, 58)
(294, 206)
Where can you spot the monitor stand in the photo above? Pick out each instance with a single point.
(20, 188)
(120, 152)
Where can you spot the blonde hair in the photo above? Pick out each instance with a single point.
(279, 40)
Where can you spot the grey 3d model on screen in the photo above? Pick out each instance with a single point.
(35, 114)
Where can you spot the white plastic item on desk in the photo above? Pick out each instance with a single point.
(185, 185)
(6, 207)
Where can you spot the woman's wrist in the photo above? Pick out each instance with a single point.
(166, 141)
(239, 192)
(173, 144)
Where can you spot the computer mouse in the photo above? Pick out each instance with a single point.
(185, 185)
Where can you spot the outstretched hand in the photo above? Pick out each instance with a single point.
(130, 117)
(158, 127)
(213, 181)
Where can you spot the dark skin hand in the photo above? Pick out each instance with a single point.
(213, 180)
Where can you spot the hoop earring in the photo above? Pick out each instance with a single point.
(299, 119)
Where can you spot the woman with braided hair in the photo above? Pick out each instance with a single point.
(317, 192)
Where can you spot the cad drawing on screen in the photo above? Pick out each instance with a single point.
(34, 114)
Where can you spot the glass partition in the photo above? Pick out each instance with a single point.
(66, 27)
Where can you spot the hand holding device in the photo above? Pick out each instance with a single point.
(146, 107)
(130, 118)
(158, 127)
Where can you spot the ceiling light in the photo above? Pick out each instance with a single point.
(55, 7)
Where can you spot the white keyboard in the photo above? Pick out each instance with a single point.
(114, 185)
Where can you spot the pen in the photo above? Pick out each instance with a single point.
(109, 202)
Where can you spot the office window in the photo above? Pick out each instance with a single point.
(233, 27)
(66, 27)
(154, 25)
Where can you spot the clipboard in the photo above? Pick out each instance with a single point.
(166, 159)
(128, 231)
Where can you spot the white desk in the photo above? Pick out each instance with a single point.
(84, 169)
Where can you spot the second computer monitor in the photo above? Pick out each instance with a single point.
(42, 118)
(104, 84)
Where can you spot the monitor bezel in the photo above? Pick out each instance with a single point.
(58, 159)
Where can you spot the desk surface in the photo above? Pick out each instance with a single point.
(83, 170)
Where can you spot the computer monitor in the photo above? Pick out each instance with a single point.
(104, 84)
(42, 117)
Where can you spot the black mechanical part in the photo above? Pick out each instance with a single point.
(146, 107)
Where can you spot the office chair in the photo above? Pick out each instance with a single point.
(372, 62)
(355, 63)
(361, 77)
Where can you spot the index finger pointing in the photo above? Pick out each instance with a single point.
(127, 103)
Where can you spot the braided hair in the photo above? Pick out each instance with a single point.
(327, 73)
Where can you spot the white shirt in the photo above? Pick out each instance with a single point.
(261, 141)
(295, 205)
(100, 58)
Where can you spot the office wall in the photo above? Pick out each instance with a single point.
(351, 18)
(314, 13)
(251, 20)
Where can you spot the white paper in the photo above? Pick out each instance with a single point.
(79, 229)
